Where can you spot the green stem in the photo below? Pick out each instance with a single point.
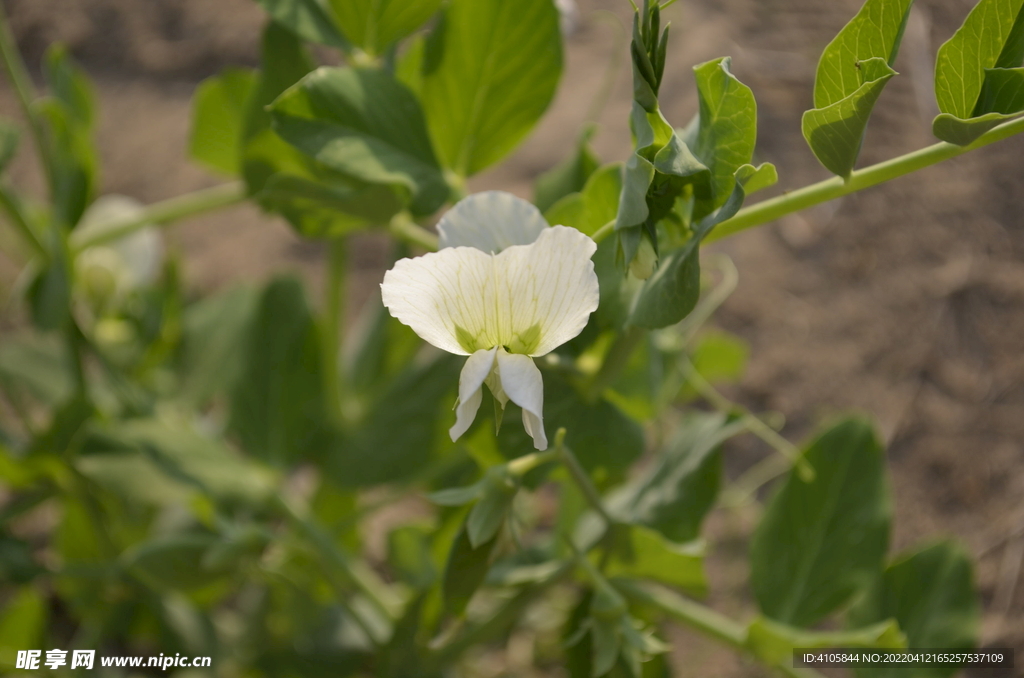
(333, 318)
(403, 227)
(165, 212)
(579, 475)
(9, 205)
(614, 361)
(794, 201)
(23, 89)
(703, 619)
(520, 466)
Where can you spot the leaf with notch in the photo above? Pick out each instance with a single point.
(835, 132)
(490, 71)
(366, 124)
(374, 25)
(822, 542)
(990, 40)
(308, 19)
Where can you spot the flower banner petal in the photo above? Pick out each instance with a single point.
(491, 221)
(524, 386)
(471, 382)
(549, 289)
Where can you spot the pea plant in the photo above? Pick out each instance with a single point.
(244, 477)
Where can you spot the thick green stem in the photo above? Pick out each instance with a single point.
(165, 212)
(703, 619)
(794, 201)
(334, 313)
(23, 89)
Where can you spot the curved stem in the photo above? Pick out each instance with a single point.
(614, 361)
(823, 191)
(165, 212)
(579, 475)
(17, 217)
(403, 227)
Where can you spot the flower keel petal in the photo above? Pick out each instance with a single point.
(523, 384)
(471, 381)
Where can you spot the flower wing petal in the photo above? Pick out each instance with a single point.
(490, 221)
(446, 297)
(523, 384)
(548, 289)
(471, 383)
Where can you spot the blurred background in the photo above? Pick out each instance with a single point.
(905, 301)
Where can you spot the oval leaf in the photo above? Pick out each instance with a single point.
(490, 72)
(821, 542)
(308, 19)
(374, 25)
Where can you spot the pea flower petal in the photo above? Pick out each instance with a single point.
(490, 221)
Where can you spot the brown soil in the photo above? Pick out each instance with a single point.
(905, 301)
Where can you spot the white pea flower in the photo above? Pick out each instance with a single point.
(504, 288)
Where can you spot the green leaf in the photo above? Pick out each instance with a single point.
(208, 361)
(219, 109)
(990, 39)
(672, 292)
(409, 555)
(594, 206)
(321, 210)
(308, 19)
(675, 494)
(773, 643)
(727, 130)
(403, 431)
(568, 176)
(875, 33)
(821, 542)
(190, 458)
(70, 85)
(490, 72)
(649, 555)
(277, 406)
(464, 572)
(931, 593)
(374, 25)
(853, 70)
(10, 135)
(488, 515)
(134, 478)
(22, 624)
(366, 124)
(174, 562)
(835, 132)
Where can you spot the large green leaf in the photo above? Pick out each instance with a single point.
(726, 132)
(853, 70)
(675, 494)
(308, 19)
(972, 64)
(930, 592)
(374, 25)
(821, 542)
(594, 206)
(465, 571)
(277, 406)
(366, 124)
(568, 176)
(835, 132)
(490, 71)
(22, 623)
(219, 109)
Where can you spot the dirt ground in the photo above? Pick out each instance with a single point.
(905, 301)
